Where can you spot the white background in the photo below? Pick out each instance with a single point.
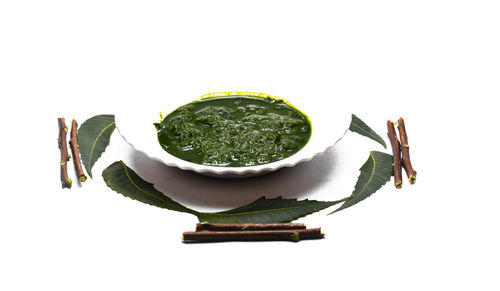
(436, 63)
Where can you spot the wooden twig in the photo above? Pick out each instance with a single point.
(405, 149)
(247, 226)
(63, 130)
(253, 235)
(396, 154)
(73, 143)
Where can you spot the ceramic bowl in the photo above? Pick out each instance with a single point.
(329, 125)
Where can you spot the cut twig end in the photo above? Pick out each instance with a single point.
(68, 183)
(412, 179)
(398, 184)
(82, 178)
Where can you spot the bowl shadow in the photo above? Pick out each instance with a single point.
(206, 193)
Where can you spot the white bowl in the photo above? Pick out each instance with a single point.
(329, 125)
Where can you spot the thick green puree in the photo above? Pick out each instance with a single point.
(235, 131)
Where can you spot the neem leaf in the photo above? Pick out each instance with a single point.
(93, 138)
(265, 210)
(375, 172)
(125, 181)
(358, 126)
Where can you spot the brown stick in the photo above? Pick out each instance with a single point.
(247, 226)
(250, 235)
(396, 154)
(73, 143)
(405, 149)
(63, 130)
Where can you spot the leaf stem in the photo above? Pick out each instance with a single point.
(405, 149)
(73, 143)
(63, 130)
(247, 226)
(257, 235)
(396, 154)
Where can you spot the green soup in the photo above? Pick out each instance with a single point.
(235, 131)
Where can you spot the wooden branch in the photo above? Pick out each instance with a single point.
(247, 226)
(405, 149)
(396, 154)
(253, 235)
(73, 143)
(63, 130)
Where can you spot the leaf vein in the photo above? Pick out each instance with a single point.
(362, 129)
(139, 188)
(96, 139)
(372, 173)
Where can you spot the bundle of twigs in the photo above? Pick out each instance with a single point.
(212, 232)
(400, 153)
(63, 130)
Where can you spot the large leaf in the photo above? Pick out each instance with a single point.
(125, 181)
(375, 172)
(93, 138)
(358, 126)
(268, 211)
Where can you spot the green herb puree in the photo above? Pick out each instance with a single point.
(234, 131)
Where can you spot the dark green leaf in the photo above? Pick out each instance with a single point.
(124, 180)
(358, 126)
(93, 138)
(375, 172)
(268, 211)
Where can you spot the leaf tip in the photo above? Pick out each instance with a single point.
(359, 126)
(338, 209)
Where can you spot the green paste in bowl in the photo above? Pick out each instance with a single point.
(234, 131)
